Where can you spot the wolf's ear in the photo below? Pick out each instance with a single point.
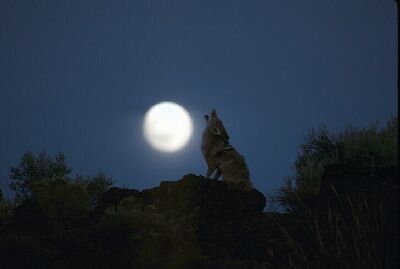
(213, 113)
(206, 117)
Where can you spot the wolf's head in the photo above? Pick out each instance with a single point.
(215, 125)
(213, 115)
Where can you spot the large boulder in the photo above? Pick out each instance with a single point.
(198, 193)
(211, 197)
(221, 220)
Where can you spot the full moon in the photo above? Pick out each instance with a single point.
(167, 127)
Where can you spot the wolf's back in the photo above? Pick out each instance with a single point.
(233, 167)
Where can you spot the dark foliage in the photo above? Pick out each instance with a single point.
(342, 212)
(344, 199)
(354, 148)
(34, 169)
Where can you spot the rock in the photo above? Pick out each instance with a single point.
(113, 196)
(192, 193)
(219, 218)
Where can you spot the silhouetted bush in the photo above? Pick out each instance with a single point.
(352, 147)
(34, 169)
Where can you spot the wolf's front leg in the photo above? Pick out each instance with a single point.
(210, 171)
(217, 174)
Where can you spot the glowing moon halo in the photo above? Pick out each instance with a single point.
(167, 127)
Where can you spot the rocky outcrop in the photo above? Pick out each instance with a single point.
(113, 196)
(224, 221)
(189, 194)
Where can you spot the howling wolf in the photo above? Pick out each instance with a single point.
(220, 155)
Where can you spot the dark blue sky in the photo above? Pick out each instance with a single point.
(77, 77)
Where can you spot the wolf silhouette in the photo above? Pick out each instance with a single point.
(221, 156)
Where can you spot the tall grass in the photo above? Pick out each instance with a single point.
(343, 234)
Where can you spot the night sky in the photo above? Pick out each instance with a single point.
(78, 76)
